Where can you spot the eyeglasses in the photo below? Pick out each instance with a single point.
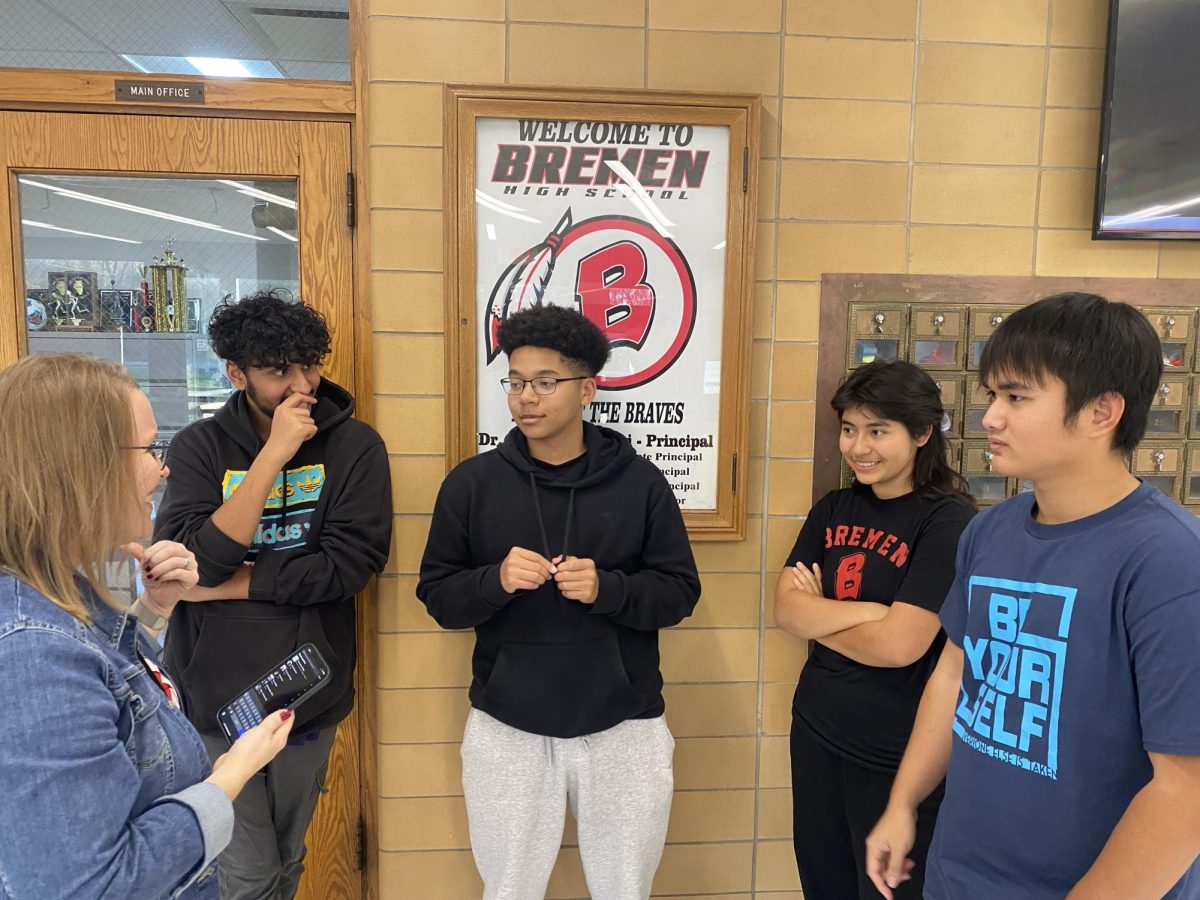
(543, 386)
(158, 450)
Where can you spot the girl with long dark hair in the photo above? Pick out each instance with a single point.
(865, 581)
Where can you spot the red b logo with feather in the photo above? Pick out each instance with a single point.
(615, 288)
(523, 283)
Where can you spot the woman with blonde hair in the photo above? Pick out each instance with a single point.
(106, 787)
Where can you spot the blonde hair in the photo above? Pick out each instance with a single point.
(67, 487)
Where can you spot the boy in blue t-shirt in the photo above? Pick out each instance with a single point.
(1064, 712)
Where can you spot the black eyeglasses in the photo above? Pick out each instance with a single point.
(544, 385)
(158, 450)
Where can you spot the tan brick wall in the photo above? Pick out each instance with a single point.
(934, 136)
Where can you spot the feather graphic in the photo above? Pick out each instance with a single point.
(523, 283)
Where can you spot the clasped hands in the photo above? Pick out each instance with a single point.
(525, 570)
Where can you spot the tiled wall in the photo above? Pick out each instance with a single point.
(934, 136)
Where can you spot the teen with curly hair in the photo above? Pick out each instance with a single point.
(285, 499)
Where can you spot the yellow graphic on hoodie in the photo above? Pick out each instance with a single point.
(284, 525)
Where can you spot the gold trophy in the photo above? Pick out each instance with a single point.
(168, 280)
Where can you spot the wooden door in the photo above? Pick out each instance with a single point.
(122, 186)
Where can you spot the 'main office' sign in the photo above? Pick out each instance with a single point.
(160, 91)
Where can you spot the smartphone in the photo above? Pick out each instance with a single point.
(287, 685)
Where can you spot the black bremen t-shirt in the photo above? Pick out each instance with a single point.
(880, 551)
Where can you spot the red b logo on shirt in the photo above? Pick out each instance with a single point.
(847, 581)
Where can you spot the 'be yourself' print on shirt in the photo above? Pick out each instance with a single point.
(1014, 650)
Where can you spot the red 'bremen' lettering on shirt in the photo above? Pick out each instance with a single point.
(882, 542)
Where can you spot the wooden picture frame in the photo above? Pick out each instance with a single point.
(635, 208)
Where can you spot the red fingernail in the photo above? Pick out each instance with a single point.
(285, 715)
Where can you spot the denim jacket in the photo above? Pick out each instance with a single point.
(101, 792)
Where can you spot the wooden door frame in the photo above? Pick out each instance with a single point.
(293, 102)
(364, 382)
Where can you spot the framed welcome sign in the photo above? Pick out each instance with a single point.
(635, 209)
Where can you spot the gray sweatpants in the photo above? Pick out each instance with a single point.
(517, 785)
(265, 859)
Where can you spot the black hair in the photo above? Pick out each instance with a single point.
(268, 331)
(1092, 345)
(581, 343)
(904, 393)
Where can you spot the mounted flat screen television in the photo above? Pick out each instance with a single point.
(1149, 184)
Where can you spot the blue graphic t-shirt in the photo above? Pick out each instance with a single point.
(1081, 653)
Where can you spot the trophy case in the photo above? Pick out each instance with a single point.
(129, 269)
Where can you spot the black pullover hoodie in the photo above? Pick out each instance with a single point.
(325, 530)
(545, 664)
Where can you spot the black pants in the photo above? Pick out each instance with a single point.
(835, 804)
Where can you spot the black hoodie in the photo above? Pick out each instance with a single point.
(543, 663)
(318, 545)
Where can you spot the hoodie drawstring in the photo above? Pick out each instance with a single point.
(570, 516)
(542, 522)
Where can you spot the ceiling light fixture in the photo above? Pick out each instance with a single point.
(129, 207)
(106, 237)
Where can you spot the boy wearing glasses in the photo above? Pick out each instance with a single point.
(566, 552)
(285, 499)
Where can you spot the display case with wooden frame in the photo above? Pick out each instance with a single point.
(316, 154)
(636, 208)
